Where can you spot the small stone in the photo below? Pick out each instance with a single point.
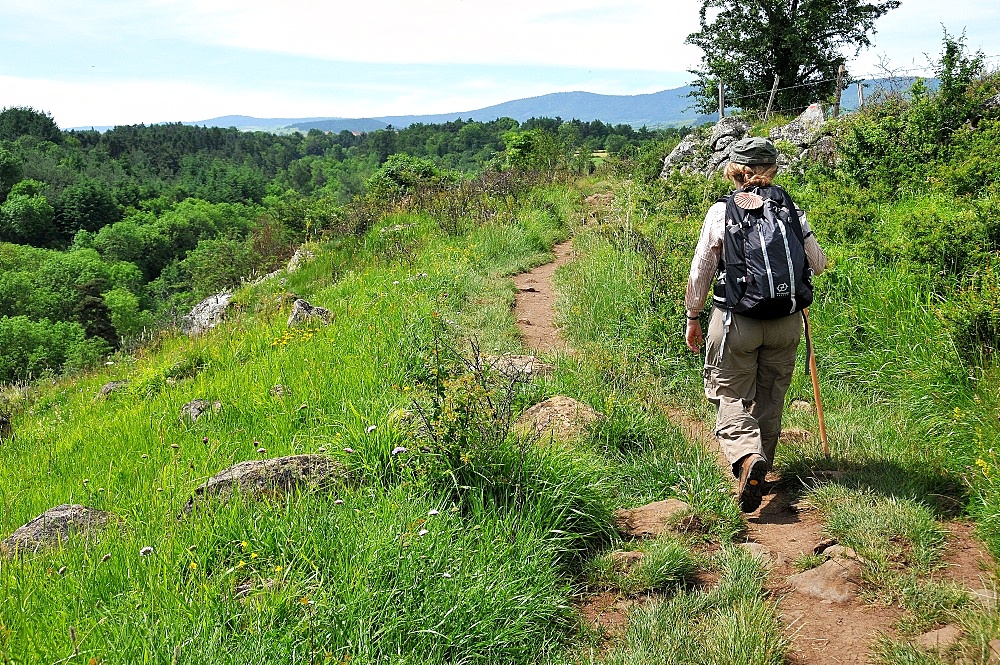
(939, 639)
(758, 550)
(110, 387)
(839, 552)
(994, 651)
(196, 408)
(563, 417)
(836, 581)
(985, 597)
(303, 312)
(626, 561)
(651, 520)
(801, 406)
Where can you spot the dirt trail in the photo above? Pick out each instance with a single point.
(534, 305)
(822, 632)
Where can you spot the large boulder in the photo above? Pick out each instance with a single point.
(207, 314)
(804, 131)
(706, 151)
(110, 387)
(55, 526)
(837, 580)
(263, 478)
(303, 312)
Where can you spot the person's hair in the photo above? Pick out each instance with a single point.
(742, 175)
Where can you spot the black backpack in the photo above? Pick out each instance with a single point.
(764, 273)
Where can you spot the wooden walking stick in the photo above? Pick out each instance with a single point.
(811, 353)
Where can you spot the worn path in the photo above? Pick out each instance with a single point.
(822, 632)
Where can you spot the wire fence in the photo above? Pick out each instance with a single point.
(888, 80)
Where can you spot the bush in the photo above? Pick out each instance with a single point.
(29, 348)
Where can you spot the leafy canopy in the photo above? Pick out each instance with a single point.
(746, 43)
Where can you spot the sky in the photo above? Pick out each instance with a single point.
(107, 62)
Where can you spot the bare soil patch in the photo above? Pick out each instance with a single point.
(534, 304)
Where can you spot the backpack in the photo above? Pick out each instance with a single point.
(764, 273)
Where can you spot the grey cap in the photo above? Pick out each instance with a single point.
(753, 150)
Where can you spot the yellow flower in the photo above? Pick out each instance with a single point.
(193, 566)
(253, 555)
(244, 545)
(277, 569)
(241, 563)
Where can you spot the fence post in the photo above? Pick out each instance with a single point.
(840, 89)
(770, 100)
(722, 100)
(861, 96)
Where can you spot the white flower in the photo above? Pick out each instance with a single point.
(398, 449)
(348, 450)
(423, 532)
(146, 551)
(370, 429)
(446, 575)
(433, 512)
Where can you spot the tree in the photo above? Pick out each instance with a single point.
(747, 43)
(19, 121)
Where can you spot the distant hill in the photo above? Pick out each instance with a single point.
(667, 108)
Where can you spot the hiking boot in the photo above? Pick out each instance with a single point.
(751, 487)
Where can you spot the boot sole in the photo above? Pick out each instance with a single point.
(753, 490)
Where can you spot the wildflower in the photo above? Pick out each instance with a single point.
(253, 555)
(61, 571)
(370, 429)
(321, 449)
(193, 566)
(174, 446)
(241, 563)
(277, 569)
(338, 502)
(204, 439)
(305, 600)
(433, 511)
(244, 545)
(349, 450)
(86, 480)
(146, 551)
(261, 451)
(398, 449)
(423, 532)
(105, 557)
(447, 576)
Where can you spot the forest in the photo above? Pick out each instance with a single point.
(106, 237)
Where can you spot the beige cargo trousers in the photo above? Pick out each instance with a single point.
(748, 369)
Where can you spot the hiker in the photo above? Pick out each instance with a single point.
(755, 323)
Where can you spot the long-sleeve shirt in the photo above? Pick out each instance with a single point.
(708, 256)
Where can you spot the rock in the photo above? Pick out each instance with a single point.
(54, 526)
(110, 387)
(939, 639)
(259, 478)
(562, 417)
(196, 408)
(794, 435)
(303, 312)
(651, 520)
(801, 406)
(521, 368)
(732, 128)
(987, 598)
(836, 580)
(823, 544)
(299, 258)
(207, 314)
(824, 151)
(682, 154)
(992, 103)
(280, 390)
(626, 561)
(804, 130)
(758, 550)
(994, 651)
(840, 552)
